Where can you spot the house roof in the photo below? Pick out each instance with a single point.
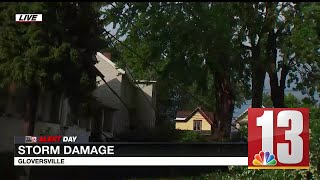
(110, 62)
(106, 59)
(145, 81)
(244, 112)
(186, 115)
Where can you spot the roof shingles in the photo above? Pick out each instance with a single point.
(186, 114)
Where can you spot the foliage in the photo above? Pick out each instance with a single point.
(280, 38)
(162, 133)
(290, 101)
(190, 136)
(54, 54)
(244, 131)
(46, 132)
(305, 42)
(236, 172)
(180, 45)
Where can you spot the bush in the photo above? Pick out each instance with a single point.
(46, 132)
(190, 136)
(159, 134)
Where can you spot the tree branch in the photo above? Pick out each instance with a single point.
(244, 46)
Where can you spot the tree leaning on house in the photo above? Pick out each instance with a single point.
(54, 54)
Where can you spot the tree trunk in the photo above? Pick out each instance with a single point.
(96, 130)
(277, 90)
(61, 111)
(277, 94)
(258, 77)
(224, 104)
(31, 109)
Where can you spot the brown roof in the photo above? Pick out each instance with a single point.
(183, 114)
(209, 116)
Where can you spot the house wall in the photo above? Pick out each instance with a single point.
(113, 78)
(189, 124)
(14, 102)
(108, 120)
(128, 95)
(128, 91)
(44, 106)
(145, 110)
(62, 126)
(10, 127)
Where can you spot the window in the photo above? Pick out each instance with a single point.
(197, 125)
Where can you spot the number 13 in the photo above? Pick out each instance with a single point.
(293, 135)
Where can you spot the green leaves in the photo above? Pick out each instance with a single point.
(54, 54)
(186, 42)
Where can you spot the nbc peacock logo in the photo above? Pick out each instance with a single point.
(264, 159)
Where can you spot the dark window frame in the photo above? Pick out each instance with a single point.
(197, 125)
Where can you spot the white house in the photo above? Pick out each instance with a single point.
(139, 97)
(54, 116)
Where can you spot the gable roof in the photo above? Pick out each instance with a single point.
(103, 57)
(244, 112)
(186, 115)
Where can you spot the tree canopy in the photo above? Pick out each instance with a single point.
(190, 44)
(55, 54)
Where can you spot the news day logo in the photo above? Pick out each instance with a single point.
(28, 17)
(278, 138)
(30, 139)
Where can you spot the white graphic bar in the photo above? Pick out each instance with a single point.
(131, 161)
(28, 17)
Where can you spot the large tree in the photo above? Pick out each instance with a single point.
(282, 41)
(55, 54)
(252, 28)
(187, 43)
(274, 36)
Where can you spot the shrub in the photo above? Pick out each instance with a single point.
(190, 136)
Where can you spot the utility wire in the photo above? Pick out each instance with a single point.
(113, 91)
(203, 103)
(158, 71)
(136, 84)
(152, 66)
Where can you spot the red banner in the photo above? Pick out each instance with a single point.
(278, 138)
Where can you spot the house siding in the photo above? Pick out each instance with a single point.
(189, 124)
(145, 106)
(104, 94)
(140, 114)
(62, 124)
(113, 78)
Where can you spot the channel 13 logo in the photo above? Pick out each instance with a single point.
(30, 139)
(278, 138)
